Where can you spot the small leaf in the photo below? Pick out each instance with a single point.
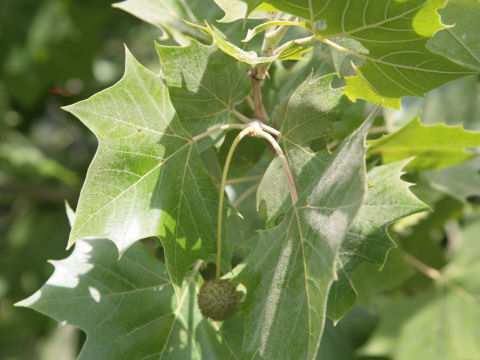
(128, 308)
(219, 39)
(293, 50)
(259, 28)
(168, 15)
(237, 10)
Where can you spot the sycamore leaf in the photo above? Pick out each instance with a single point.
(388, 199)
(237, 10)
(259, 28)
(459, 42)
(147, 178)
(288, 76)
(395, 33)
(434, 146)
(128, 308)
(204, 84)
(293, 50)
(288, 275)
(309, 115)
(442, 322)
(169, 15)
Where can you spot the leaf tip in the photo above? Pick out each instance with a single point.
(29, 301)
(70, 213)
(70, 243)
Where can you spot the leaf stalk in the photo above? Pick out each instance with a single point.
(255, 128)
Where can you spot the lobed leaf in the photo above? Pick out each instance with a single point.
(168, 15)
(128, 308)
(308, 116)
(458, 42)
(288, 275)
(147, 178)
(368, 240)
(395, 33)
(237, 10)
(292, 50)
(204, 84)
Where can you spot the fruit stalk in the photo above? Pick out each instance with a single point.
(237, 139)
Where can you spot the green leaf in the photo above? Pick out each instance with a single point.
(147, 178)
(286, 77)
(248, 153)
(442, 322)
(434, 146)
(204, 84)
(459, 42)
(128, 308)
(237, 10)
(309, 115)
(259, 28)
(454, 103)
(388, 199)
(169, 15)
(395, 33)
(293, 50)
(219, 39)
(288, 275)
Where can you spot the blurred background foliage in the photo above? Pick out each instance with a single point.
(56, 52)
(52, 53)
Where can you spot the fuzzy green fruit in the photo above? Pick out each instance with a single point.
(218, 300)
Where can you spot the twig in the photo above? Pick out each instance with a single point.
(257, 94)
(438, 276)
(422, 267)
(257, 75)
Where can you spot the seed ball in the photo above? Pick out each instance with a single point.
(218, 300)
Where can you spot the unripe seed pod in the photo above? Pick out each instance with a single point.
(218, 300)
